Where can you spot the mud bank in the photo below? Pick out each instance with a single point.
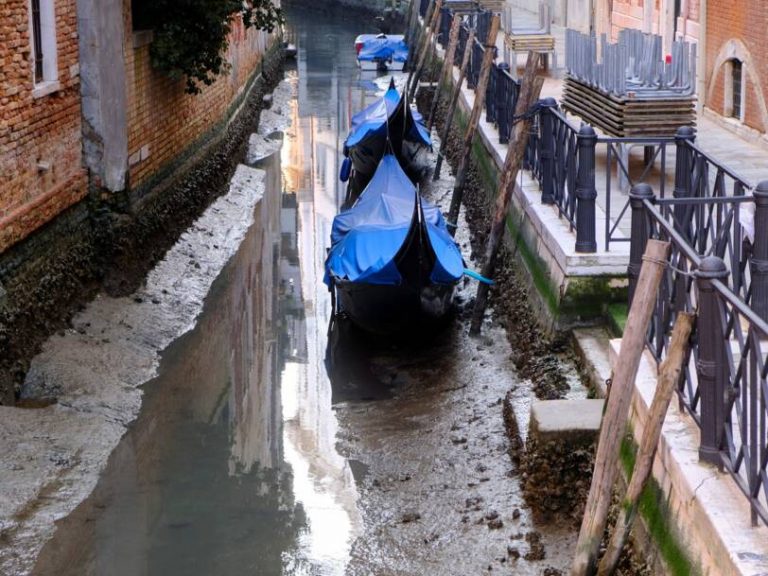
(554, 479)
(93, 371)
(112, 242)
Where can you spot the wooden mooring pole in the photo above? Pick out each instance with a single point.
(450, 52)
(452, 107)
(474, 119)
(669, 377)
(428, 43)
(530, 89)
(614, 423)
(413, 21)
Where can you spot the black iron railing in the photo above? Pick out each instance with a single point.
(501, 100)
(724, 386)
(561, 157)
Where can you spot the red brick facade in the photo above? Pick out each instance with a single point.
(162, 119)
(736, 29)
(629, 14)
(41, 135)
(41, 170)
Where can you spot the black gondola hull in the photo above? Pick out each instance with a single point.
(387, 310)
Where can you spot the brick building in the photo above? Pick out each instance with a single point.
(672, 19)
(41, 168)
(80, 104)
(736, 79)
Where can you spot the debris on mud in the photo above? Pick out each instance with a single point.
(556, 478)
(535, 353)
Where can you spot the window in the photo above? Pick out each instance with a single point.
(43, 41)
(736, 90)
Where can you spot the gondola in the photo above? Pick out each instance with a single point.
(389, 121)
(392, 263)
(386, 52)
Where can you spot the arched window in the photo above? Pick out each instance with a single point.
(734, 89)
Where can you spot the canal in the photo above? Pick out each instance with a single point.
(248, 459)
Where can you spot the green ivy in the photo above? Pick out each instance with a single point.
(191, 36)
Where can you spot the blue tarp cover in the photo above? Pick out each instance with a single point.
(373, 118)
(384, 47)
(366, 238)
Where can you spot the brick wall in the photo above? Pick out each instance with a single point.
(162, 119)
(736, 29)
(37, 131)
(629, 14)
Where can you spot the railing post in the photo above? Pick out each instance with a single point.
(683, 159)
(640, 233)
(758, 263)
(547, 152)
(586, 193)
(711, 366)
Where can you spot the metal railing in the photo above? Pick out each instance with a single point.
(724, 386)
(561, 157)
(501, 100)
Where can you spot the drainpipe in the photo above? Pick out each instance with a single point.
(701, 62)
(648, 6)
(684, 18)
(667, 25)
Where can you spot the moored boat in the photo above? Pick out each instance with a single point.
(392, 263)
(389, 121)
(387, 52)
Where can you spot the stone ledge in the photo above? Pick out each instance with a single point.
(567, 420)
(710, 513)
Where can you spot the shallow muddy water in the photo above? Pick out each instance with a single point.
(248, 459)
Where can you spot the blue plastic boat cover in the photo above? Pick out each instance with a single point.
(366, 238)
(373, 119)
(384, 47)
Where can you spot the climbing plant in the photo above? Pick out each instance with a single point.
(190, 36)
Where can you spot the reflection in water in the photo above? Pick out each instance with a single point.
(232, 466)
(197, 485)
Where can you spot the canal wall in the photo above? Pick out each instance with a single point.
(566, 288)
(110, 239)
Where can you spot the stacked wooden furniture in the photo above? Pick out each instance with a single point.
(627, 116)
(539, 39)
(632, 89)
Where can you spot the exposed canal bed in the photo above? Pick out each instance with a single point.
(245, 457)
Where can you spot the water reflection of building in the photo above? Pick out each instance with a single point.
(323, 482)
(198, 485)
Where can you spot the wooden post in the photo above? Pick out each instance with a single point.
(474, 119)
(452, 107)
(447, 67)
(413, 21)
(414, 48)
(428, 43)
(669, 377)
(614, 422)
(530, 88)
